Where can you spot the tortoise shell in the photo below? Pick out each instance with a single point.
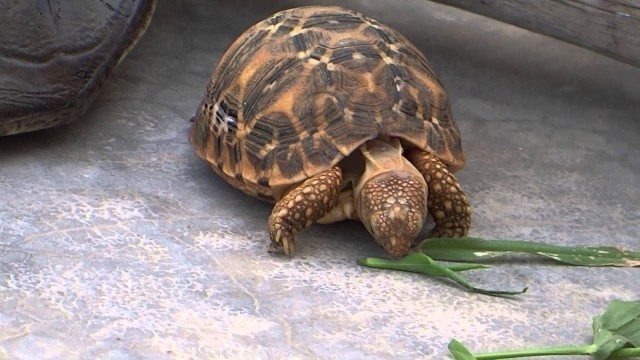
(298, 92)
(57, 54)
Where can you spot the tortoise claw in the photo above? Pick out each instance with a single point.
(288, 246)
(282, 241)
(274, 248)
(301, 207)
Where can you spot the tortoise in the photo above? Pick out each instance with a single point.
(331, 115)
(57, 55)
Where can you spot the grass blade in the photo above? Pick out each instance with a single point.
(466, 267)
(459, 351)
(415, 262)
(476, 249)
(422, 264)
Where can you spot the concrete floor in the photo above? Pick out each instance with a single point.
(117, 242)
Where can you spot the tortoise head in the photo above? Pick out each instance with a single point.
(391, 197)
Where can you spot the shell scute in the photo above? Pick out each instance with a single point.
(303, 89)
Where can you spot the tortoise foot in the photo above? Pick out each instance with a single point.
(447, 202)
(301, 207)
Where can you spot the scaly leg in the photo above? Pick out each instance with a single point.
(301, 207)
(446, 201)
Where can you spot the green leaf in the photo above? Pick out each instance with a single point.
(617, 327)
(620, 313)
(625, 353)
(459, 351)
(631, 332)
(476, 249)
(422, 264)
(613, 331)
(466, 267)
(606, 344)
(415, 262)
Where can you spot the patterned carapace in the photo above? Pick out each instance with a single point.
(301, 90)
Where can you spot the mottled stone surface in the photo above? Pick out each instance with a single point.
(117, 242)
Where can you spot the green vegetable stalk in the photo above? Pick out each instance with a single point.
(476, 249)
(421, 263)
(616, 335)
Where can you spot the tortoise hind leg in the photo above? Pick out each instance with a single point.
(446, 201)
(301, 207)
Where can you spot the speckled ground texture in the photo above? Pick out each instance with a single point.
(117, 242)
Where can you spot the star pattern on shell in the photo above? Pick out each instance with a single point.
(304, 88)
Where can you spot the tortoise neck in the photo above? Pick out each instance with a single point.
(383, 158)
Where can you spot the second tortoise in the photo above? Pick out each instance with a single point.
(332, 116)
(56, 56)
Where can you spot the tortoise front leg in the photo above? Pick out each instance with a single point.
(301, 207)
(446, 201)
